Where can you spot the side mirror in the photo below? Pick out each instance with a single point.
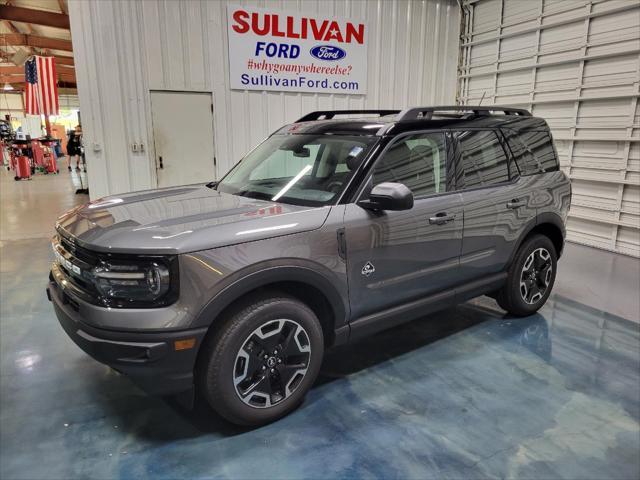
(388, 196)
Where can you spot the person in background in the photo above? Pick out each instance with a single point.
(73, 147)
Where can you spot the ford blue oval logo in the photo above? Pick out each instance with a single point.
(328, 52)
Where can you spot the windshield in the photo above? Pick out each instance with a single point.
(299, 169)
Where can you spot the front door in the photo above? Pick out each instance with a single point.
(394, 257)
(183, 137)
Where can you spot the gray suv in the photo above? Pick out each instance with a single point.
(333, 228)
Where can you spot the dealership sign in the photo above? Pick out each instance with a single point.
(275, 50)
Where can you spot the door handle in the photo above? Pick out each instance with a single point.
(516, 203)
(441, 218)
(161, 165)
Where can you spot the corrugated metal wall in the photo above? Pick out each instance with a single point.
(577, 64)
(125, 49)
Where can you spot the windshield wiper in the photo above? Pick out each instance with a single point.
(254, 194)
(212, 185)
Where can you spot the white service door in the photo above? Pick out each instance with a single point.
(183, 137)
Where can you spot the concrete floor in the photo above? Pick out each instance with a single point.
(466, 393)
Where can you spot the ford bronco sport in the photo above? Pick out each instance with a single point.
(333, 228)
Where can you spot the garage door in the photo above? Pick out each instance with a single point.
(577, 64)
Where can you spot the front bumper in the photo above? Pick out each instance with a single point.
(152, 360)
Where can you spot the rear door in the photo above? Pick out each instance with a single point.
(394, 257)
(498, 202)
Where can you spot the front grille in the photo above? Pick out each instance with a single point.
(81, 254)
(76, 263)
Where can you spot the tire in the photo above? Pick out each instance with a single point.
(529, 282)
(235, 366)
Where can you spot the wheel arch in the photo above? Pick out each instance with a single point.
(315, 289)
(548, 224)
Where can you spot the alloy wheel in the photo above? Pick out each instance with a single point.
(536, 275)
(271, 363)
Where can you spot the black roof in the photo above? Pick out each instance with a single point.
(393, 122)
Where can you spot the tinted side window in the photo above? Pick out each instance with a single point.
(418, 161)
(484, 161)
(533, 151)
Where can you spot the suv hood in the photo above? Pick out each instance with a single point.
(182, 219)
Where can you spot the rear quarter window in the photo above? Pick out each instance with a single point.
(484, 161)
(533, 151)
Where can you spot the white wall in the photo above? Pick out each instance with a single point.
(577, 64)
(124, 49)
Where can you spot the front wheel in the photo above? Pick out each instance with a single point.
(262, 361)
(530, 277)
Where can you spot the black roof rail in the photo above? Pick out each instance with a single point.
(329, 114)
(425, 113)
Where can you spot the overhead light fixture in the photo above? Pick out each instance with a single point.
(8, 87)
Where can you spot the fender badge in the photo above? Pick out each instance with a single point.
(368, 269)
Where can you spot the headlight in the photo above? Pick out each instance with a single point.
(131, 283)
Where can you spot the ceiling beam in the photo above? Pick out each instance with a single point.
(62, 77)
(11, 70)
(19, 39)
(63, 88)
(14, 70)
(17, 89)
(66, 61)
(37, 17)
(10, 26)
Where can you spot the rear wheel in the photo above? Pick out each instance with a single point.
(530, 277)
(263, 360)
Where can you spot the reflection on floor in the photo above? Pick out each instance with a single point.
(463, 393)
(29, 208)
(601, 280)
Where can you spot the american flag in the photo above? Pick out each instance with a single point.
(41, 93)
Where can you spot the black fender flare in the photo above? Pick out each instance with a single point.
(541, 219)
(552, 218)
(269, 272)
